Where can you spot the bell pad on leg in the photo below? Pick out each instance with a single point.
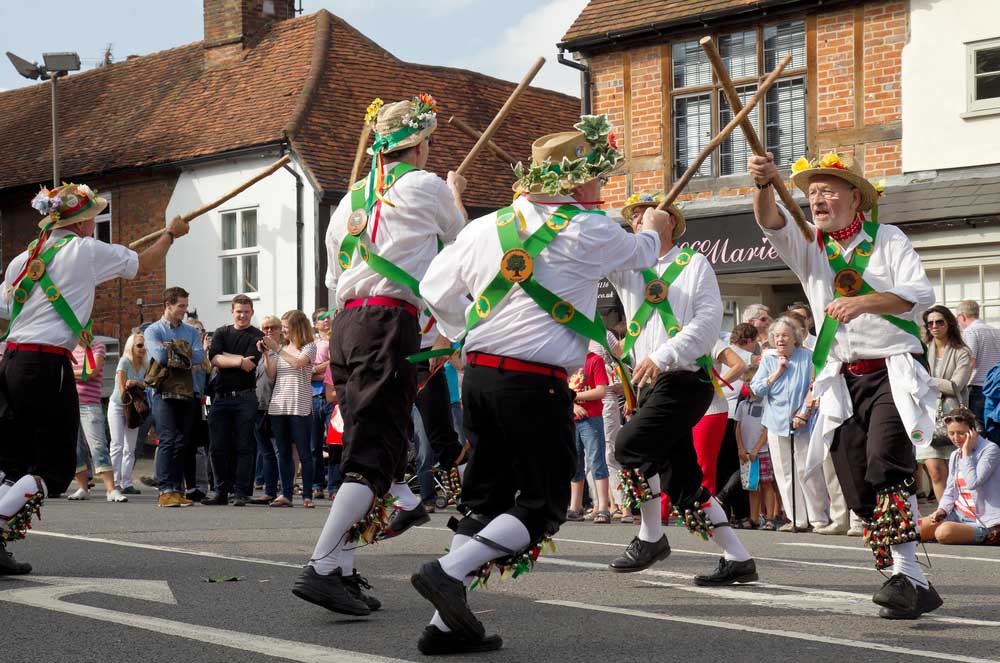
(17, 526)
(515, 563)
(692, 514)
(634, 488)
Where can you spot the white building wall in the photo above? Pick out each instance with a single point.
(195, 263)
(935, 135)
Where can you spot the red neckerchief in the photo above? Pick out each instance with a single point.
(843, 236)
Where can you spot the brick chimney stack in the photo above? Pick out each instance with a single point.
(234, 25)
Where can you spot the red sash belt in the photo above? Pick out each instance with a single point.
(511, 364)
(389, 302)
(863, 366)
(48, 349)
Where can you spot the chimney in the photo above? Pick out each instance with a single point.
(234, 25)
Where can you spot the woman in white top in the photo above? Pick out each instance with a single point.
(290, 409)
(129, 373)
(732, 366)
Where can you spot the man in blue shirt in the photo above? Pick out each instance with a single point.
(172, 408)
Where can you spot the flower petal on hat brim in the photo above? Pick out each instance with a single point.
(869, 196)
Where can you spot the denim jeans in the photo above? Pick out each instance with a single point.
(231, 438)
(425, 459)
(456, 418)
(289, 429)
(590, 443)
(173, 425)
(268, 460)
(92, 435)
(320, 419)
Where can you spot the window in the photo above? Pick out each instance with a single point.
(981, 282)
(700, 107)
(984, 75)
(102, 230)
(239, 251)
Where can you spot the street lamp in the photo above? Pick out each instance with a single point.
(56, 65)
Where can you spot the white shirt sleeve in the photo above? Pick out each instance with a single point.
(790, 244)
(911, 283)
(449, 217)
(444, 289)
(699, 335)
(112, 261)
(616, 249)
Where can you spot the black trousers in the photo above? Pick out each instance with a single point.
(231, 442)
(525, 452)
(39, 418)
(658, 440)
(727, 474)
(434, 404)
(376, 388)
(871, 450)
(198, 438)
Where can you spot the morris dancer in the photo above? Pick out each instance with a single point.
(875, 396)
(381, 238)
(49, 291)
(675, 315)
(533, 269)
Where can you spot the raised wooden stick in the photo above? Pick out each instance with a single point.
(218, 201)
(501, 115)
(726, 130)
(359, 154)
(753, 140)
(475, 135)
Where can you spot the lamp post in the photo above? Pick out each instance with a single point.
(56, 65)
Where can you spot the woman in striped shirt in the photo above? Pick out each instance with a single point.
(290, 366)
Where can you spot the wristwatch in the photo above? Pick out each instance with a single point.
(763, 186)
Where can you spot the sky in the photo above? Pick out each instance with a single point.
(496, 38)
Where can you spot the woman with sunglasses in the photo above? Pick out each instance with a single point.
(950, 364)
(969, 511)
(129, 373)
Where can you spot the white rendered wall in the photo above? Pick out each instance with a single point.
(935, 136)
(194, 263)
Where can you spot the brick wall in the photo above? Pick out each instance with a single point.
(231, 25)
(855, 49)
(138, 208)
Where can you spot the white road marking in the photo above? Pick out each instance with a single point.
(50, 598)
(866, 551)
(756, 630)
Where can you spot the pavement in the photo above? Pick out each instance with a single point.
(129, 582)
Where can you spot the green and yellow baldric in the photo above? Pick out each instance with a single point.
(848, 281)
(516, 267)
(655, 292)
(37, 271)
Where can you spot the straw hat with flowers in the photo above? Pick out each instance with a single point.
(653, 199)
(67, 204)
(843, 167)
(564, 161)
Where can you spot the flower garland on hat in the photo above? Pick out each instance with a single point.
(832, 160)
(562, 178)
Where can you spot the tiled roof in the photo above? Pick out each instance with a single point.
(308, 80)
(609, 18)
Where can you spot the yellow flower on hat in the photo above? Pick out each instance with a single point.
(372, 113)
(830, 160)
(879, 187)
(800, 165)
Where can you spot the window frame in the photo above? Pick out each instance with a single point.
(238, 253)
(975, 106)
(715, 90)
(106, 216)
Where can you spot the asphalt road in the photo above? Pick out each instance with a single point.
(128, 582)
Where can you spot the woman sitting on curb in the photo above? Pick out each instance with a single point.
(969, 512)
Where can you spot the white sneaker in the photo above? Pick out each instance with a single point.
(831, 528)
(80, 494)
(116, 496)
(855, 530)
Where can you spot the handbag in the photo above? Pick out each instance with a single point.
(136, 406)
(750, 474)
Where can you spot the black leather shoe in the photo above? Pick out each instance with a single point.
(435, 642)
(729, 573)
(131, 490)
(900, 599)
(329, 591)
(403, 520)
(241, 500)
(355, 583)
(640, 555)
(218, 499)
(10, 566)
(195, 495)
(448, 596)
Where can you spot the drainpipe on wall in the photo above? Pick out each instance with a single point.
(299, 225)
(584, 80)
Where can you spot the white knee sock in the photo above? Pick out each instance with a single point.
(504, 530)
(461, 472)
(4, 487)
(651, 528)
(17, 495)
(904, 555)
(725, 537)
(405, 499)
(333, 551)
(457, 542)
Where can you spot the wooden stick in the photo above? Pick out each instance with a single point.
(475, 135)
(218, 201)
(504, 110)
(726, 130)
(753, 140)
(359, 154)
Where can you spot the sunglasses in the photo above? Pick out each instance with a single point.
(936, 323)
(140, 345)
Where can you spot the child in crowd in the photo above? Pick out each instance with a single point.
(752, 436)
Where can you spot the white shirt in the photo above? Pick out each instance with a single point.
(894, 267)
(407, 236)
(76, 269)
(733, 395)
(984, 341)
(695, 300)
(570, 266)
